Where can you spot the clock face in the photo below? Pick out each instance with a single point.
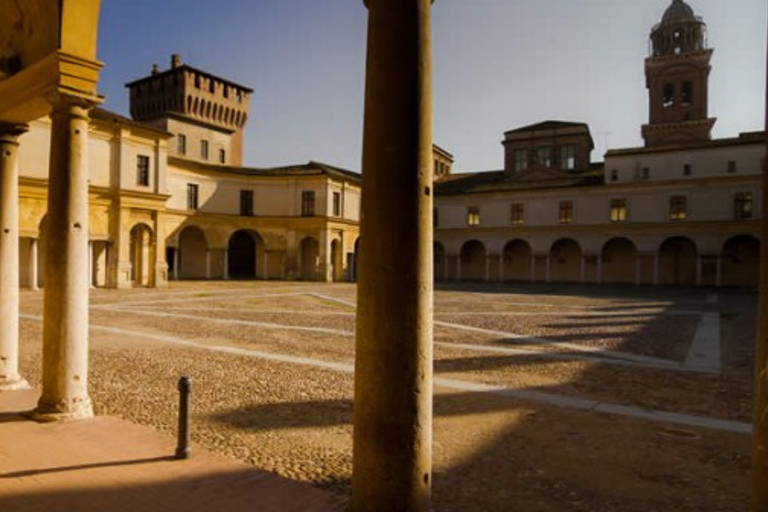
(29, 30)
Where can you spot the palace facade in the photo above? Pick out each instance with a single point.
(684, 209)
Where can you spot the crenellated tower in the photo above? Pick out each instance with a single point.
(204, 112)
(677, 76)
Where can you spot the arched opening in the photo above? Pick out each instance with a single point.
(141, 255)
(741, 261)
(565, 261)
(473, 261)
(677, 261)
(517, 260)
(337, 261)
(193, 255)
(439, 262)
(242, 257)
(309, 252)
(619, 261)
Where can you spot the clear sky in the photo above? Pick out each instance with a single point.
(498, 65)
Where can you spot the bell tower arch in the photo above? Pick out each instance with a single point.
(677, 79)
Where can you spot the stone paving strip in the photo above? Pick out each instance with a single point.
(463, 385)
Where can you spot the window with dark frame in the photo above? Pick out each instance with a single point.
(687, 170)
(567, 158)
(544, 156)
(566, 212)
(668, 96)
(678, 208)
(614, 175)
(337, 204)
(192, 196)
(517, 214)
(473, 216)
(181, 144)
(731, 166)
(204, 149)
(618, 209)
(246, 203)
(645, 173)
(520, 157)
(743, 205)
(308, 203)
(222, 156)
(686, 94)
(142, 170)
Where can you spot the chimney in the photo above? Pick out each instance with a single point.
(155, 69)
(175, 60)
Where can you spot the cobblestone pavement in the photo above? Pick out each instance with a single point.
(542, 404)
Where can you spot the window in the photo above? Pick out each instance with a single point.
(181, 144)
(645, 173)
(520, 157)
(192, 196)
(307, 203)
(212, 86)
(566, 212)
(615, 175)
(668, 96)
(204, 149)
(618, 210)
(473, 216)
(567, 158)
(544, 156)
(222, 156)
(142, 170)
(731, 166)
(742, 205)
(337, 204)
(517, 214)
(687, 170)
(686, 94)
(197, 81)
(678, 208)
(246, 203)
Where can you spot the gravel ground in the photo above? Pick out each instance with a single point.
(490, 453)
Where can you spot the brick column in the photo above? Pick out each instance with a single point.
(9, 258)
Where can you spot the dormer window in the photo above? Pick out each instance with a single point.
(544, 156)
(567, 158)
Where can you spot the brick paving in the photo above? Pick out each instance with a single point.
(111, 464)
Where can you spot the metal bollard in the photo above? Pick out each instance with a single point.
(182, 449)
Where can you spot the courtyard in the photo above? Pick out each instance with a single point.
(547, 397)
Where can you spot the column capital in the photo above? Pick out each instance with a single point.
(70, 102)
(11, 132)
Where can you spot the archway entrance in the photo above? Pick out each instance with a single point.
(619, 261)
(565, 261)
(192, 254)
(517, 260)
(741, 261)
(241, 255)
(473, 261)
(309, 251)
(141, 255)
(677, 261)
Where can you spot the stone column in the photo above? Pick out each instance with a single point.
(549, 268)
(9, 257)
(533, 268)
(458, 267)
(599, 270)
(393, 365)
(698, 270)
(501, 268)
(719, 271)
(33, 245)
(226, 264)
(265, 265)
(656, 269)
(487, 267)
(207, 263)
(583, 271)
(638, 274)
(65, 307)
(90, 265)
(445, 267)
(176, 261)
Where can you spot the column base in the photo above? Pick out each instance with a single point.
(46, 413)
(13, 384)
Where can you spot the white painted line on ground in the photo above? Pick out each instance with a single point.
(704, 353)
(635, 313)
(559, 344)
(462, 385)
(565, 356)
(200, 296)
(333, 299)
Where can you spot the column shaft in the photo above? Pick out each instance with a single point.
(393, 365)
(65, 311)
(226, 264)
(9, 258)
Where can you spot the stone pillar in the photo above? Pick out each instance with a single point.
(33, 262)
(445, 266)
(501, 268)
(549, 268)
(599, 270)
(207, 263)
(265, 265)
(90, 265)
(458, 267)
(638, 271)
(226, 264)
(583, 271)
(9, 258)
(176, 261)
(656, 269)
(487, 267)
(533, 268)
(393, 365)
(65, 310)
(698, 270)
